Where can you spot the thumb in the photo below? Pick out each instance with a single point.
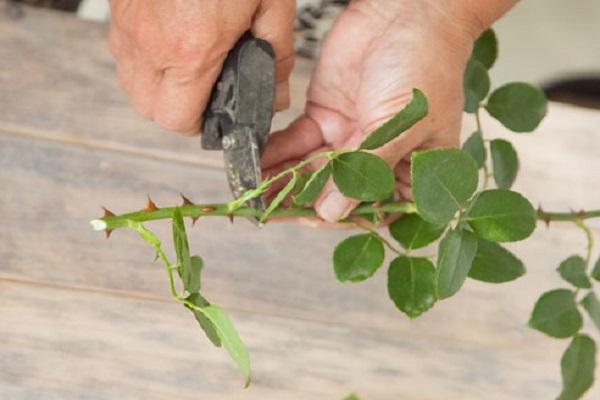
(332, 205)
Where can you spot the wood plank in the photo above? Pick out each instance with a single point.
(65, 89)
(63, 344)
(283, 270)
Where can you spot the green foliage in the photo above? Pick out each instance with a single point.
(518, 106)
(578, 365)
(474, 147)
(476, 85)
(207, 326)
(411, 285)
(363, 176)
(358, 257)
(495, 264)
(352, 397)
(505, 162)
(229, 338)
(415, 111)
(442, 183)
(596, 271)
(190, 274)
(591, 304)
(313, 186)
(572, 270)
(413, 232)
(556, 314)
(455, 257)
(280, 197)
(485, 49)
(502, 216)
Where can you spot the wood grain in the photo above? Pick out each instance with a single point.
(65, 344)
(85, 318)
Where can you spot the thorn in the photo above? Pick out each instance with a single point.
(230, 218)
(107, 212)
(150, 205)
(186, 201)
(580, 214)
(108, 232)
(194, 220)
(208, 210)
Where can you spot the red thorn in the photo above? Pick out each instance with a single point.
(580, 214)
(208, 210)
(194, 220)
(107, 212)
(186, 201)
(230, 218)
(150, 205)
(108, 232)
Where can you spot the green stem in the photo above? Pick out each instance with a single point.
(223, 210)
(486, 170)
(567, 216)
(590, 240)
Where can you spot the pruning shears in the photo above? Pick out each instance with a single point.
(238, 117)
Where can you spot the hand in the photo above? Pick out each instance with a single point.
(377, 52)
(170, 53)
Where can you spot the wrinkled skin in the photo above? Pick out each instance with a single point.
(170, 53)
(377, 52)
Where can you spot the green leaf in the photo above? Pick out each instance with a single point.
(495, 264)
(363, 176)
(505, 162)
(411, 285)
(207, 326)
(572, 270)
(313, 186)
(596, 271)
(502, 216)
(191, 279)
(302, 179)
(442, 183)
(555, 314)
(592, 305)
(475, 148)
(229, 338)
(352, 397)
(455, 258)
(189, 276)
(279, 198)
(358, 257)
(578, 365)
(413, 232)
(485, 49)
(518, 106)
(415, 111)
(476, 85)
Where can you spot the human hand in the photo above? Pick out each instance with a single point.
(377, 52)
(170, 53)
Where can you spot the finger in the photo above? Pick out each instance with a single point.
(146, 79)
(402, 172)
(274, 22)
(318, 126)
(301, 137)
(182, 97)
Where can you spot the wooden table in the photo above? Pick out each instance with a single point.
(85, 318)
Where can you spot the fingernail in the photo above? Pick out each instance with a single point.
(334, 207)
